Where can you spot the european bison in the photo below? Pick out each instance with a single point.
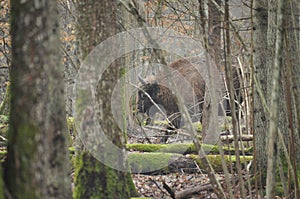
(189, 83)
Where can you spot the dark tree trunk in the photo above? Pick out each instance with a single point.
(37, 163)
(1, 184)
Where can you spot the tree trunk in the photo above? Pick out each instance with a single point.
(93, 179)
(37, 161)
(292, 72)
(1, 185)
(214, 25)
(264, 77)
(260, 93)
(274, 107)
(291, 90)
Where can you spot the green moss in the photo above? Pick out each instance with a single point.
(197, 126)
(145, 162)
(215, 161)
(71, 123)
(182, 148)
(3, 130)
(96, 180)
(112, 181)
(122, 71)
(4, 119)
(160, 122)
(132, 190)
(72, 130)
(279, 189)
(167, 148)
(145, 147)
(24, 146)
(87, 185)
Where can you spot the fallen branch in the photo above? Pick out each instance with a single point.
(194, 190)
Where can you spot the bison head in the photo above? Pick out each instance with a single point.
(154, 98)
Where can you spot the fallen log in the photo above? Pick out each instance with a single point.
(183, 148)
(164, 163)
(230, 138)
(188, 192)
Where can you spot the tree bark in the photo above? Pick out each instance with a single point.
(274, 107)
(1, 184)
(260, 93)
(37, 162)
(97, 21)
(291, 90)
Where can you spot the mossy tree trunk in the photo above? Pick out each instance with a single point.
(96, 22)
(37, 161)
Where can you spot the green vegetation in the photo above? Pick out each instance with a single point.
(181, 148)
(145, 162)
(215, 161)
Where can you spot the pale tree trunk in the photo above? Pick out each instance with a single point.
(211, 37)
(272, 93)
(130, 20)
(260, 93)
(214, 30)
(96, 22)
(37, 162)
(274, 107)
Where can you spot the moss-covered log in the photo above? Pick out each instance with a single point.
(182, 148)
(162, 163)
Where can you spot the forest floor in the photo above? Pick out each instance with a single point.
(152, 186)
(192, 183)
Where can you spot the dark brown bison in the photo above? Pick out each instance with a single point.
(157, 96)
